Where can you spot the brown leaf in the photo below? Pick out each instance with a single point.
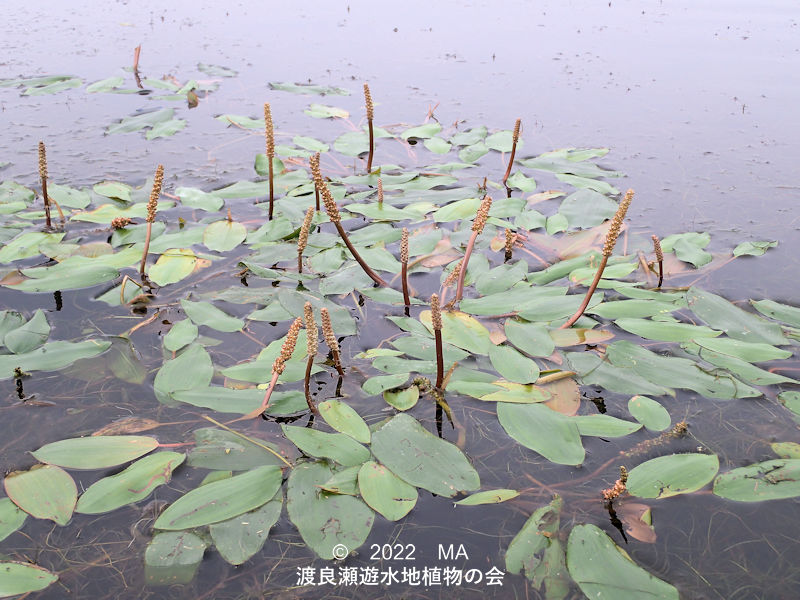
(635, 517)
(566, 396)
(128, 425)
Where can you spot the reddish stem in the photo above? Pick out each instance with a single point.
(146, 247)
(463, 272)
(46, 203)
(271, 192)
(307, 385)
(588, 296)
(374, 276)
(510, 162)
(404, 278)
(371, 146)
(437, 334)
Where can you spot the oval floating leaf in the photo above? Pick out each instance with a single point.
(239, 538)
(402, 399)
(344, 419)
(605, 426)
(221, 500)
(11, 518)
(422, 459)
(45, 492)
(512, 365)
(95, 452)
(603, 570)
(325, 521)
(768, 480)
(223, 236)
(671, 475)
(649, 413)
(23, 578)
(385, 492)
(336, 446)
(134, 483)
(551, 434)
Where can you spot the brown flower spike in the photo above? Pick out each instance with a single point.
(514, 140)
(270, 135)
(43, 177)
(370, 116)
(152, 207)
(312, 346)
(477, 228)
(436, 322)
(404, 265)
(302, 240)
(659, 258)
(608, 248)
(330, 339)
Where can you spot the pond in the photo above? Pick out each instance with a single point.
(162, 439)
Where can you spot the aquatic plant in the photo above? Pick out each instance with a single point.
(370, 116)
(515, 362)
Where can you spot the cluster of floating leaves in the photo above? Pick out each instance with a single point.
(502, 345)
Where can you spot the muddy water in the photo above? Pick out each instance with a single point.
(696, 104)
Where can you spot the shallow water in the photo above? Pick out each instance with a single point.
(694, 102)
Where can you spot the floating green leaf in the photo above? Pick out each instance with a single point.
(172, 266)
(753, 248)
(308, 88)
(224, 450)
(604, 426)
(336, 446)
(239, 538)
(737, 323)
(781, 312)
(131, 485)
(29, 336)
(221, 500)
(551, 434)
(402, 399)
(649, 413)
(95, 452)
(666, 331)
(325, 521)
(422, 459)
(603, 570)
(671, 475)
(536, 535)
(768, 480)
(679, 372)
(192, 368)
(461, 330)
(384, 492)
(488, 497)
(44, 492)
(747, 351)
(141, 121)
(205, 313)
(50, 357)
(344, 419)
(23, 578)
(512, 365)
(11, 518)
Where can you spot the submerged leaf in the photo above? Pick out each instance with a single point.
(602, 570)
